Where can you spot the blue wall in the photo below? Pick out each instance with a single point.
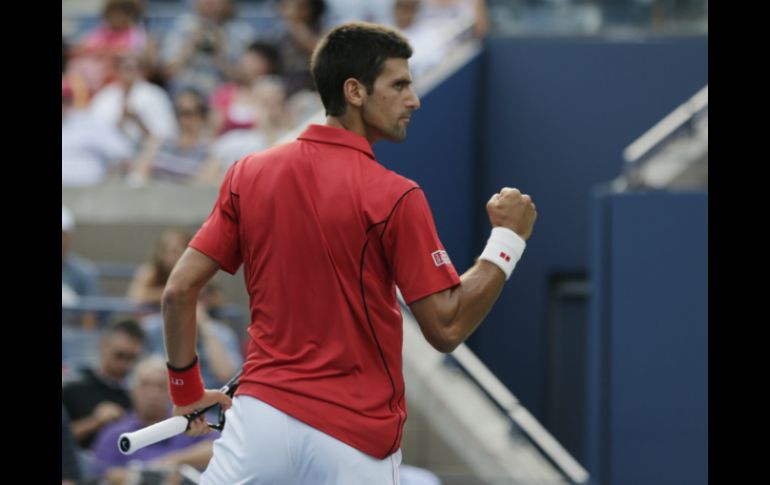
(557, 114)
(648, 333)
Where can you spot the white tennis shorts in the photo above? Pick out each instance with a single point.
(261, 445)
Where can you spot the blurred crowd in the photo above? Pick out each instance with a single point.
(181, 104)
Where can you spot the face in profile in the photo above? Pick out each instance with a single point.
(387, 110)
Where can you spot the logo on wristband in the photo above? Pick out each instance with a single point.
(440, 257)
(505, 256)
(177, 381)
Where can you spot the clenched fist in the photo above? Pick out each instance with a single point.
(513, 210)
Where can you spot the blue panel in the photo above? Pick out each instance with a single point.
(557, 115)
(659, 339)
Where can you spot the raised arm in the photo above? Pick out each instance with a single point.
(448, 317)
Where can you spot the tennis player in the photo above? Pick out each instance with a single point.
(325, 234)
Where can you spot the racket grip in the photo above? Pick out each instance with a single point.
(128, 443)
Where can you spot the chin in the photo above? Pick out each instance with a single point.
(397, 137)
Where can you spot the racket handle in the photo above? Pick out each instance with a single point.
(130, 442)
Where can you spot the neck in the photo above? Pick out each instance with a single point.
(352, 121)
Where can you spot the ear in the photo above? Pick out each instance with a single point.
(355, 92)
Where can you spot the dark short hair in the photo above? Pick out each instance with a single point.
(128, 327)
(353, 50)
(270, 52)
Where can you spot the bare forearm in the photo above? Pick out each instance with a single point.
(179, 326)
(447, 318)
(479, 289)
(190, 273)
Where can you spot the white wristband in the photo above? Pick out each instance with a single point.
(504, 249)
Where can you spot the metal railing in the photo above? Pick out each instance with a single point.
(673, 152)
(464, 358)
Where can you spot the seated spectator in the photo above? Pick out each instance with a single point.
(136, 106)
(179, 159)
(120, 33)
(203, 47)
(80, 332)
(151, 402)
(235, 104)
(99, 397)
(150, 278)
(91, 151)
(77, 273)
(274, 119)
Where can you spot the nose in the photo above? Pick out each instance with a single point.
(413, 101)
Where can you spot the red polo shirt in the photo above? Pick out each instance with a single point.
(325, 234)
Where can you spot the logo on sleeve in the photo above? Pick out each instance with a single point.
(440, 257)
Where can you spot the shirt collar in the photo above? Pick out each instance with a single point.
(337, 136)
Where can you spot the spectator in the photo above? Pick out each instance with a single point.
(202, 48)
(80, 333)
(274, 119)
(77, 274)
(91, 150)
(120, 33)
(235, 104)
(151, 404)
(180, 159)
(136, 106)
(99, 396)
(150, 278)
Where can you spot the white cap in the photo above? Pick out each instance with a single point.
(67, 220)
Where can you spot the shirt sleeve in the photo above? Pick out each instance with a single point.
(218, 238)
(419, 262)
